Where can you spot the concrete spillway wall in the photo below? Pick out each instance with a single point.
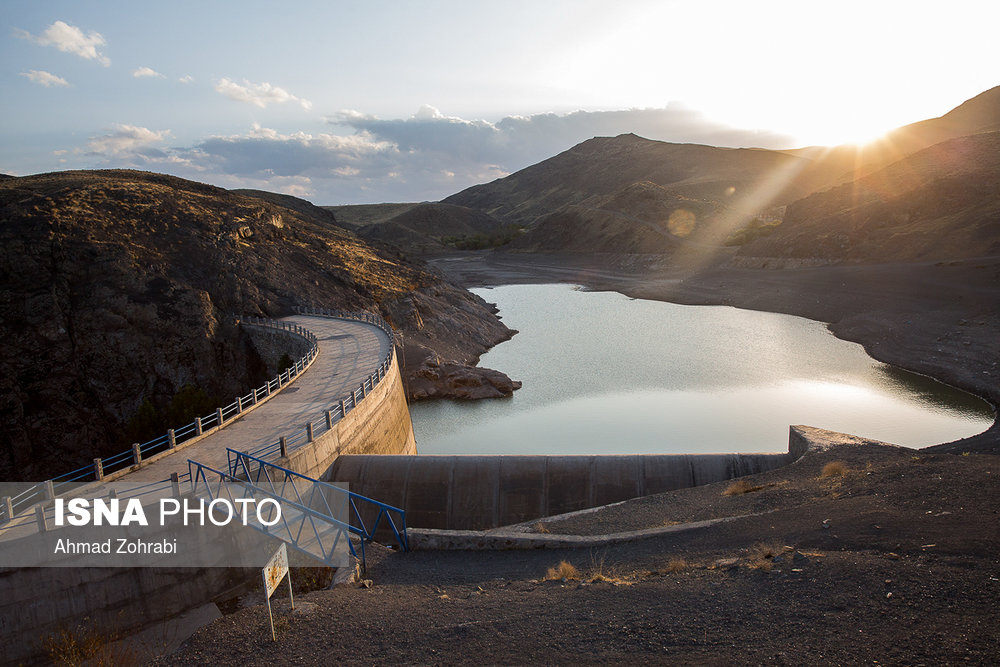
(482, 492)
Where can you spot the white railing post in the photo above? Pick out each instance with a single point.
(309, 432)
(329, 419)
(43, 525)
(239, 404)
(343, 408)
(50, 490)
(171, 439)
(8, 509)
(283, 446)
(197, 426)
(218, 417)
(175, 485)
(98, 469)
(136, 453)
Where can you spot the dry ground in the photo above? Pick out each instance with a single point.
(895, 561)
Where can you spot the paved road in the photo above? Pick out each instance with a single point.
(349, 352)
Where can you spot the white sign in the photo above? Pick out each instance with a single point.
(273, 573)
(276, 569)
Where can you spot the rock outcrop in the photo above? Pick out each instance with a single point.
(119, 288)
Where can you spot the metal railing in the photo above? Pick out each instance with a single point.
(339, 409)
(366, 514)
(309, 508)
(101, 467)
(44, 514)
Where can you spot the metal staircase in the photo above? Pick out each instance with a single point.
(317, 518)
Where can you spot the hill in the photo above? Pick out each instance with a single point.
(120, 286)
(850, 162)
(355, 216)
(631, 195)
(301, 206)
(425, 228)
(740, 179)
(940, 203)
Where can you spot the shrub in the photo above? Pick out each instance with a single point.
(564, 571)
(834, 469)
(676, 565)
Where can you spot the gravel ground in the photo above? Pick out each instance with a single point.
(895, 561)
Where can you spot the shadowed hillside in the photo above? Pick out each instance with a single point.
(122, 286)
(428, 228)
(740, 179)
(940, 203)
(628, 195)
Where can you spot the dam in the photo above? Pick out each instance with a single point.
(339, 415)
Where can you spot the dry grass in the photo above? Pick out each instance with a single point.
(834, 469)
(739, 487)
(86, 644)
(565, 571)
(676, 565)
(540, 528)
(761, 555)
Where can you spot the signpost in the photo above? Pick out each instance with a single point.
(273, 573)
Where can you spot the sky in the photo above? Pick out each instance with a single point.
(366, 102)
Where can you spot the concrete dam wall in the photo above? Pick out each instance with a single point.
(482, 492)
(380, 424)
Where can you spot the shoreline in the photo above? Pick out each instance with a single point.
(932, 318)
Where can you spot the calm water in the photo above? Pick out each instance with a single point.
(606, 374)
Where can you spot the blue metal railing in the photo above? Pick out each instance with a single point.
(312, 531)
(257, 471)
(32, 496)
(339, 409)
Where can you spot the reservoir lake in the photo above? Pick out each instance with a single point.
(607, 374)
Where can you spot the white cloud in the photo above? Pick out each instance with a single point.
(44, 78)
(127, 139)
(427, 156)
(187, 78)
(257, 94)
(70, 39)
(146, 72)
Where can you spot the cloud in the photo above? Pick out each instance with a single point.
(258, 94)
(187, 78)
(518, 141)
(427, 156)
(70, 39)
(146, 72)
(126, 140)
(340, 168)
(44, 78)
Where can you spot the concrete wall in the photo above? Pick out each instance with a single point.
(379, 425)
(482, 492)
(272, 344)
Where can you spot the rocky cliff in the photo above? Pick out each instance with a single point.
(119, 288)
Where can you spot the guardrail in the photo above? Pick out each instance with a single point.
(257, 471)
(342, 406)
(313, 531)
(101, 467)
(44, 515)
